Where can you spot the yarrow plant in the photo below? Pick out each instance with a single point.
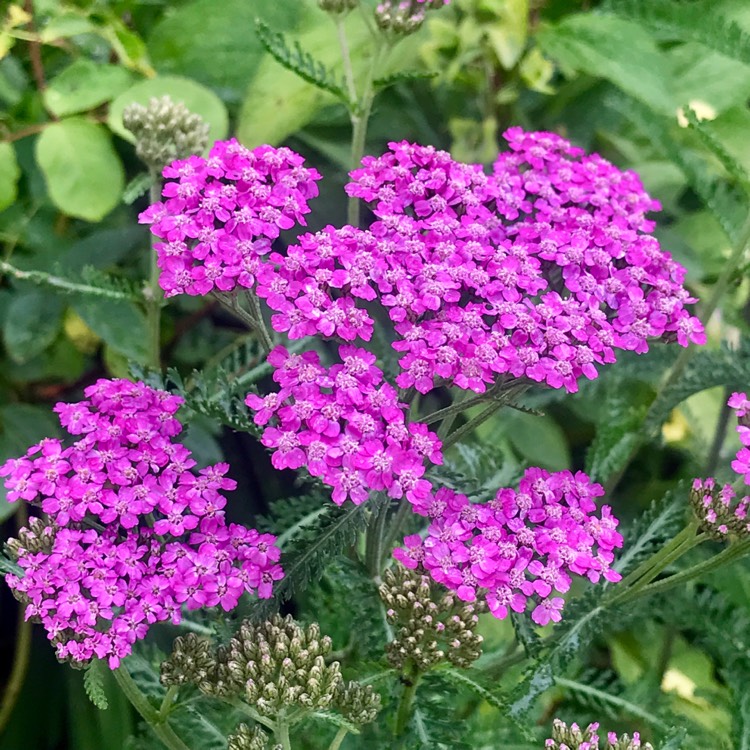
(132, 534)
(452, 285)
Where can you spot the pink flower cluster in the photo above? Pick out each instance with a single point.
(573, 738)
(345, 425)
(221, 214)
(717, 506)
(519, 548)
(133, 533)
(540, 270)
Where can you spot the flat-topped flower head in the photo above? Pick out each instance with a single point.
(133, 532)
(220, 213)
(519, 550)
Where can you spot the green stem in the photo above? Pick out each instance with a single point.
(155, 295)
(730, 554)
(22, 651)
(257, 313)
(375, 539)
(338, 739)
(404, 509)
(231, 303)
(406, 703)
(252, 713)
(455, 408)
(167, 703)
(360, 117)
(346, 59)
(149, 714)
(282, 733)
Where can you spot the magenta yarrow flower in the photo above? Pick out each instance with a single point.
(136, 533)
(717, 506)
(542, 270)
(345, 425)
(220, 214)
(520, 548)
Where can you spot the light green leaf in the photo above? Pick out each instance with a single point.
(278, 102)
(9, 174)
(731, 128)
(122, 325)
(184, 43)
(65, 26)
(507, 35)
(84, 174)
(84, 85)
(620, 51)
(32, 322)
(196, 97)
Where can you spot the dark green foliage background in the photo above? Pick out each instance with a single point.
(611, 76)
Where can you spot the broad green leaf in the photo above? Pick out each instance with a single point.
(731, 129)
(278, 102)
(84, 174)
(120, 324)
(184, 43)
(84, 85)
(21, 425)
(31, 324)
(196, 97)
(620, 51)
(9, 174)
(66, 25)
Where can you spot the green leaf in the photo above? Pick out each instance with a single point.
(286, 101)
(620, 51)
(9, 174)
(84, 85)
(507, 34)
(196, 97)
(32, 322)
(299, 62)
(184, 42)
(120, 324)
(93, 682)
(84, 174)
(540, 440)
(21, 425)
(698, 22)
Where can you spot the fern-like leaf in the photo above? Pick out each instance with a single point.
(138, 186)
(93, 683)
(301, 63)
(405, 76)
(726, 203)
(694, 22)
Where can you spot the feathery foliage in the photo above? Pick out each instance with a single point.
(93, 683)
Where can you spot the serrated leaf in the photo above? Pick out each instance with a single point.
(299, 62)
(698, 22)
(9, 175)
(84, 85)
(138, 186)
(615, 49)
(404, 76)
(84, 175)
(93, 682)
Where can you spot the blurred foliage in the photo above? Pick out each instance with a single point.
(614, 77)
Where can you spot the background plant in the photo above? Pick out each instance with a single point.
(612, 77)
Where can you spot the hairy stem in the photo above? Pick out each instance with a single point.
(375, 540)
(167, 703)
(282, 733)
(148, 713)
(255, 324)
(154, 296)
(720, 434)
(257, 313)
(346, 60)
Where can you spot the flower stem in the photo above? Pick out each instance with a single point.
(375, 541)
(406, 703)
(346, 59)
(155, 296)
(149, 714)
(338, 739)
(282, 733)
(360, 117)
(166, 704)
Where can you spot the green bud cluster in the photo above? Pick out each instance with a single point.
(402, 17)
(572, 737)
(273, 665)
(37, 537)
(431, 626)
(245, 738)
(164, 131)
(337, 7)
